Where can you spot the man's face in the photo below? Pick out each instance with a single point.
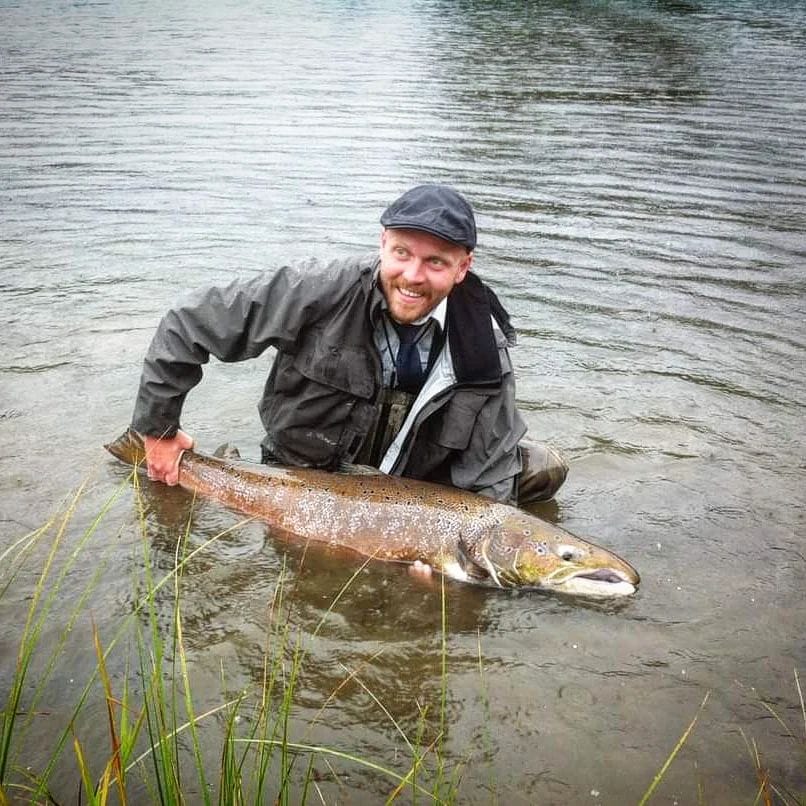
(418, 271)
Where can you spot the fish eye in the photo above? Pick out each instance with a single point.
(567, 553)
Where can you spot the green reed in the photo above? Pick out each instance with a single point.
(768, 792)
(156, 734)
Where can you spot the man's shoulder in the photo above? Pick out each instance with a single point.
(349, 266)
(324, 278)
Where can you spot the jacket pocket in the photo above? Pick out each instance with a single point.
(455, 422)
(348, 369)
(317, 407)
(443, 435)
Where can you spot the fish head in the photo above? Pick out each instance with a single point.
(525, 552)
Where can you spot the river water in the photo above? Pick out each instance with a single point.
(639, 172)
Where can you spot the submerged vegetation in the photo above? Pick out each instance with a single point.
(157, 742)
(158, 739)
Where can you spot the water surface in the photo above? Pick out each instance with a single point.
(639, 175)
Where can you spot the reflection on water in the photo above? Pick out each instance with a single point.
(638, 170)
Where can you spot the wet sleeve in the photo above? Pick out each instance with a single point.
(231, 323)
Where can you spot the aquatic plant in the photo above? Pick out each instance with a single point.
(157, 739)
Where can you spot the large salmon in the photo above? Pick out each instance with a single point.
(460, 534)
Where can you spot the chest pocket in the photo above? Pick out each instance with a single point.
(317, 407)
(445, 433)
(348, 369)
(453, 426)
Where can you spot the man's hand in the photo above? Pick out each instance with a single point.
(163, 455)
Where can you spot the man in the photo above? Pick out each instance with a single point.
(397, 360)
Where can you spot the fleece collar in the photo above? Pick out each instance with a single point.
(471, 308)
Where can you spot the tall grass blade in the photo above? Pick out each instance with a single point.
(35, 620)
(272, 669)
(22, 546)
(149, 751)
(179, 649)
(443, 694)
(659, 777)
(802, 706)
(485, 701)
(763, 776)
(370, 693)
(410, 778)
(114, 761)
(86, 778)
(33, 627)
(299, 748)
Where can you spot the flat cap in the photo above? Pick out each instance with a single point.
(437, 209)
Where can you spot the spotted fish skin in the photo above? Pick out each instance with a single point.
(458, 533)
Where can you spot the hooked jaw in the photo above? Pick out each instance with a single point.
(585, 572)
(599, 583)
(603, 582)
(562, 569)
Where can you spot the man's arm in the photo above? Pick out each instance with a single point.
(232, 323)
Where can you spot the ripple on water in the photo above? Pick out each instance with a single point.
(638, 175)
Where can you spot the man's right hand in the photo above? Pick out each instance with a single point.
(163, 455)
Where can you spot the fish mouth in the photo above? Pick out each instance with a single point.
(604, 575)
(601, 582)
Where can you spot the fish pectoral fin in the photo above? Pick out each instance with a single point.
(474, 571)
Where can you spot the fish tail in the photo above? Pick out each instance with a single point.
(128, 447)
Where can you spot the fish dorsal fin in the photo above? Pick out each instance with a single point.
(227, 451)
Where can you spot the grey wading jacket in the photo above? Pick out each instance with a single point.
(323, 394)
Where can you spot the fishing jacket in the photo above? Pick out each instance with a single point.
(323, 394)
